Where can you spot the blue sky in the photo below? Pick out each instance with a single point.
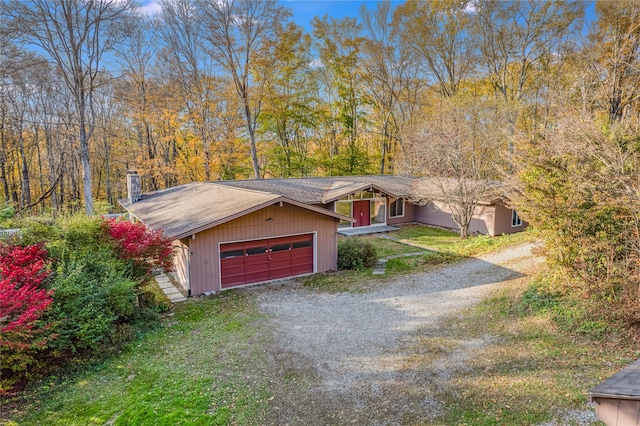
(303, 10)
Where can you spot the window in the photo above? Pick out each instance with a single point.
(257, 250)
(302, 244)
(378, 213)
(280, 247)
(232, 253)
(344, 208)
(396, 208)
(515, 219)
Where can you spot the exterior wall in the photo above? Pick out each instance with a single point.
(409, 214)
(618, 412)
(285, 220)
(181, 262)
(503, 221)
(437, 214)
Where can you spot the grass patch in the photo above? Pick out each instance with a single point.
(386, 247)
(447, 241)
(534, 369)
(191, 371)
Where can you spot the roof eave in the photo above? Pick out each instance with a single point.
(360, 188)
(256, 208)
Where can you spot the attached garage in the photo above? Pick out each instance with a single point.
(226, 237)
(254, 261)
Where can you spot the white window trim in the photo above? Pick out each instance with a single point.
(516, 220)
(391, 200)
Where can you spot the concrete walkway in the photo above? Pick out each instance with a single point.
(366, 230)
(169, 289)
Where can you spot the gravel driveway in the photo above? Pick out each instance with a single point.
(344, 356)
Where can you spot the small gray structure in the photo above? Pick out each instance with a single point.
(617, 399)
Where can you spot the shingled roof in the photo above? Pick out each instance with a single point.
(186, 209)
(623, 385)
(321, 190)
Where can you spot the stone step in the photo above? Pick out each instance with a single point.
(165, 285)
(381, 267)
(175, 298)
(169, 289)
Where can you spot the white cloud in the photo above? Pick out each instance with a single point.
(150, 7)
(470, 7)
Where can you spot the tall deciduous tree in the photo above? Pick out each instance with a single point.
(515, 35)
(238, 34)
(615, 57)
(439, 32)
(76, 36)
(339, 43)
(190, 68)
(389, 71)
(459, 150)
(290, 114)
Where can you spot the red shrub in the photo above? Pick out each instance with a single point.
(145, 247)
(22, 303)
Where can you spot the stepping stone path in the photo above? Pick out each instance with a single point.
(169, 289)
(381, 267)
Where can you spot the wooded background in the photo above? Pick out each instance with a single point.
(208, 90)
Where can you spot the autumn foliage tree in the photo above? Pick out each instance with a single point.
(144, 247)
(22, 303)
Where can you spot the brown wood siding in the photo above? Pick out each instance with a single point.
(285, 220)
(437, 214)
(503, 221)
(618, 412)
(181, 263)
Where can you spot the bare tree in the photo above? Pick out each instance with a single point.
(458, 152)
(76, 36)
(237, 32)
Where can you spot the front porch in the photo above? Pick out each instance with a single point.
(365, 230)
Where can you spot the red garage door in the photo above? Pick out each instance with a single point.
(262, 260)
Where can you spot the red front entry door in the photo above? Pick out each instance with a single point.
(361, 213)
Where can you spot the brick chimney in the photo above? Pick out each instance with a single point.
(134, 191)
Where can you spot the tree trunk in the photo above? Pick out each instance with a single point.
(252, 138)
(86, 169)
(25, 181)
(3, 160)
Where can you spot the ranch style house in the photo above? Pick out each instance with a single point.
(234, 233)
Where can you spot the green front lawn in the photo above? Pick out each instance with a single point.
(202, 367)
(447, 241)
(387, 247)
(434, 247)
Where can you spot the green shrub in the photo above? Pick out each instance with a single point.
(91, 297)
(101, 299)
(355, 253)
